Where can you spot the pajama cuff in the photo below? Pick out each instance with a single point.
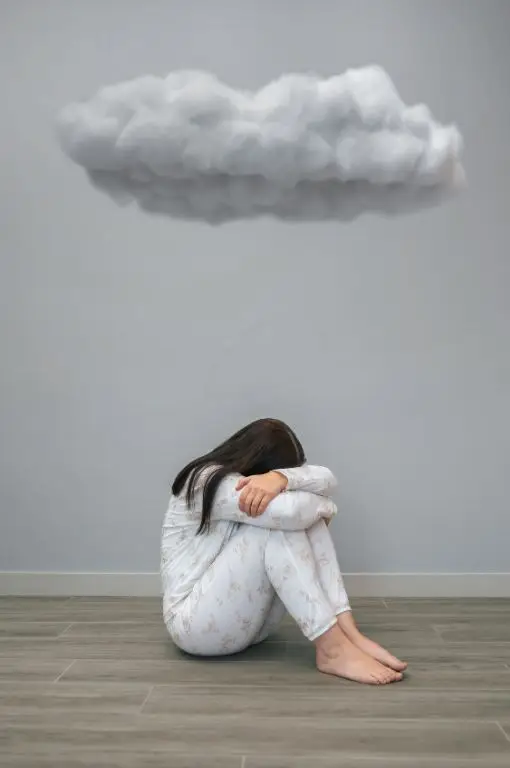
(322, 630)
(292, 478)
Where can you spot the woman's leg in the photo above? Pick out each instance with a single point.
(227, 609)
(322, 552)
(332, 582)
(292, 569)
(273, 620)
(328, 570)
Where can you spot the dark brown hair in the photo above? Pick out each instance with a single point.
(262, 446)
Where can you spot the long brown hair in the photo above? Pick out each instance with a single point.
(262, 446)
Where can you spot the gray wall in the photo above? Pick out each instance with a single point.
(130, 344)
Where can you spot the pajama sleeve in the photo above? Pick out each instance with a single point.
(318, 480)
(290, 511)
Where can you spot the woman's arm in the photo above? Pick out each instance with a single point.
(294, 511)
(320, 480)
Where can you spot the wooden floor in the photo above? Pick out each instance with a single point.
(95, 682)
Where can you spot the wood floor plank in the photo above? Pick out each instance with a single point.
(10, 687)
(27, 604)
(118, 648)
(91, 648)
(75, 609)
(136, 630)
(265, 673)
(146, 759)
(150, 760)
(77, 613)
(81, 697)
(374, 761)
(277, 673)
(32, 669)
(488, 631)
(463, 676)
(412, 620)
(32, 628)
(449, 606)
(367, 602)
(71, 610)
(385, 618)
(451, 653)
(398, 702)
(236, 734)
(118, 599)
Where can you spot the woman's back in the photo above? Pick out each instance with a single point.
(186, 555)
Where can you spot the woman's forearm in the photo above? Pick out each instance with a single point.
(315, 479)
(296, 510)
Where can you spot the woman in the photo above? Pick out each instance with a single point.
(246, 539)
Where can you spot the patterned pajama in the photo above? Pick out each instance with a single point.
(230, 588)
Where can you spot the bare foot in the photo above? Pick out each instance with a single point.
(338, 656)
(376, 651)
(379, 653)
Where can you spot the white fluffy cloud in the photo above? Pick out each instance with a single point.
(301, 148)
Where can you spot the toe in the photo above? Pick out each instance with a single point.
(390, 676)
(383, 675)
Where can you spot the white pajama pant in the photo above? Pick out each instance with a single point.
(258, 576)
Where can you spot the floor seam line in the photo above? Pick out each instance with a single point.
(505, 734)
(65, 670)
(144, 702)
(65, 630)
(437, 632)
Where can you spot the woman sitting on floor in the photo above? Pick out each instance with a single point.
(246, 539)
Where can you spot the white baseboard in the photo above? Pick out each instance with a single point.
(358, 584)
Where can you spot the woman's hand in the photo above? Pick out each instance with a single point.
(258, 491)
